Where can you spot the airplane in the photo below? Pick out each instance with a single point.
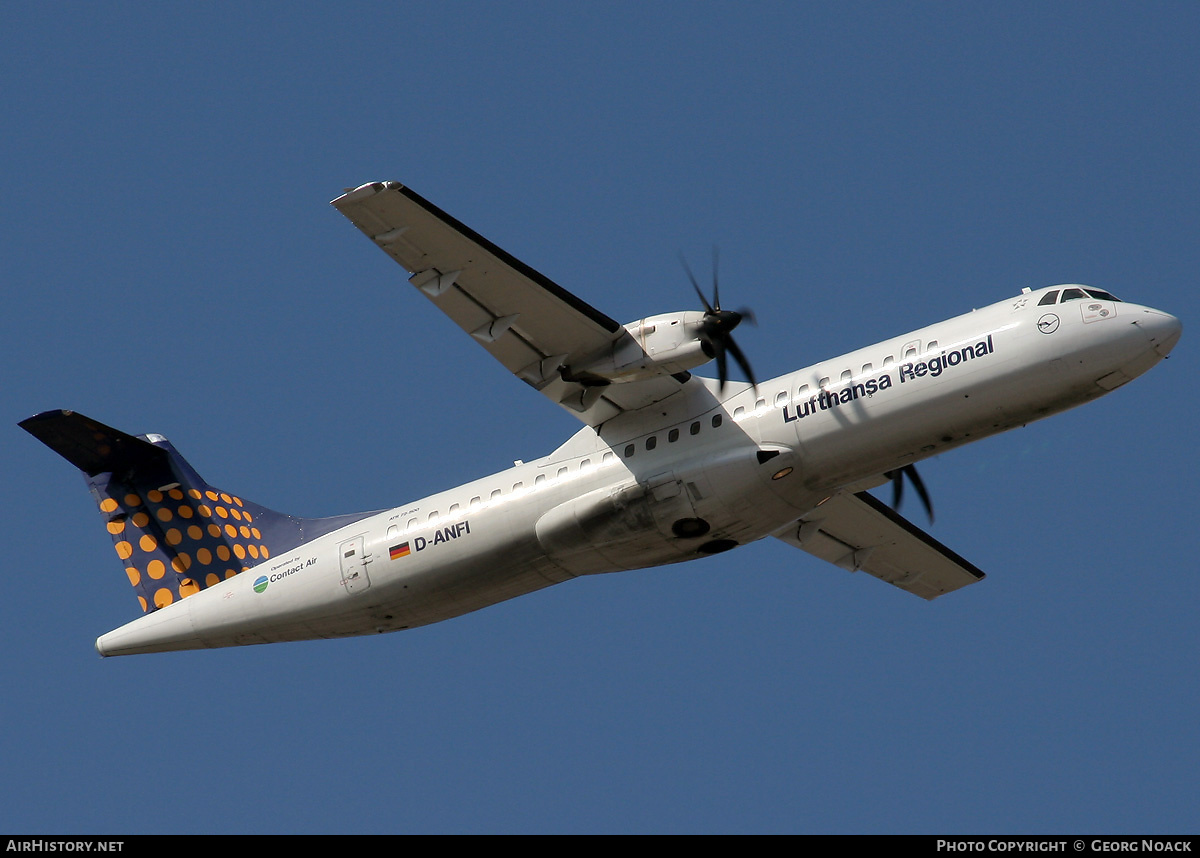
(668, 466)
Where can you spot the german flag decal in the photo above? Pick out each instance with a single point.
(398, 551)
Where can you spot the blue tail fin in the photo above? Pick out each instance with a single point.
(174, 533)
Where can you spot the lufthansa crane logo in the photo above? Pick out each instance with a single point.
(1048, 324)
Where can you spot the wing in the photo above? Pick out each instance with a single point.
(856, 531)
(533, 326)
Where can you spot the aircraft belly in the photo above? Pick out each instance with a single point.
(913, 428)
(511, 565)
(431, 572)
(249, 608)
(672, 515)
(439, 594)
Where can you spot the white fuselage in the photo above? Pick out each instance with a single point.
(697, 473)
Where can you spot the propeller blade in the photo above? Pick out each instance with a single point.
(897, 477)
(716, 287)
(707, 307)
(717, 327)
(742, 362)
(919, 485)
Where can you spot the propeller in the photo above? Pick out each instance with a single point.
(897, 477)
(716, 330)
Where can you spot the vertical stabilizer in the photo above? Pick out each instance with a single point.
(174, 533)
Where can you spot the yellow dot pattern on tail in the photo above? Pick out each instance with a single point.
(172, 545)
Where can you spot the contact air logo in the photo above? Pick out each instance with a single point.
(278, 572)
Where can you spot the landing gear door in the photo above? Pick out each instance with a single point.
(671, 507)
(354, 565)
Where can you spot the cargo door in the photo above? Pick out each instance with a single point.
(354, 565)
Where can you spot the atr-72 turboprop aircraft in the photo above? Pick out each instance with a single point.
(667, 467)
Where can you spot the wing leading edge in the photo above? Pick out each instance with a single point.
(856, 531)
(535, 328)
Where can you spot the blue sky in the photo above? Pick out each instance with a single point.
(171, 265)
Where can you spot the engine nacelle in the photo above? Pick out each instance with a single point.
(657, 345)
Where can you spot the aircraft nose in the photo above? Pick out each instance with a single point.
(1163, 329)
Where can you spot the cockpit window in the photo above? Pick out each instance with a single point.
(1059, 296)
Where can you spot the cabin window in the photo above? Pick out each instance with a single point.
(866, 370)
(495, 494)
(393, 530)
(802, 392)
(539, 479)
(629, 450)
(432, 515)
(1072, 295)
(562, 472)
(846, 375)
(932, 346)
(888, 361)
(695, 428)
(672, 436)
(910, 349)
(583, 466)
(475, 501)
(738, 412)
(607, 457)
(412, 522)
(823, 383)
(760, 404)
(781, 398)
(716, 420)
(453, 509)
(516, 487)
(651, 442)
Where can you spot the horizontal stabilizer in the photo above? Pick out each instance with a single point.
(95, 448)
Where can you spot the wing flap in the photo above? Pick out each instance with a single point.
(856, 531)
(526, 321)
